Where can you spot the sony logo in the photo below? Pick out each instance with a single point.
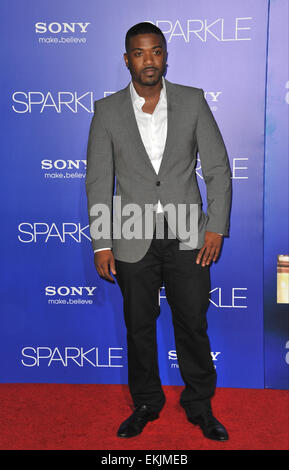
(63, 164)
(172, 355)
(41, 28)
(69, 290)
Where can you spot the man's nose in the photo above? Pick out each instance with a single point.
(148, 58)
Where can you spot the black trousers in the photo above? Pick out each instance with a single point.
(187, 287)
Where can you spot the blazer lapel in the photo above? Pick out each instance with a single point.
(171, 125)
(130, 122)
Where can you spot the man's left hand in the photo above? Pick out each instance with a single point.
(211, 248)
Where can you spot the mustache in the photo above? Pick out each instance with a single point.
(150, 68)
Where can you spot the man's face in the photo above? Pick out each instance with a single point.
(146, 58)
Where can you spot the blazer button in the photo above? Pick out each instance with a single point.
(158, 183)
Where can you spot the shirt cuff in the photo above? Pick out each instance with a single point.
(101, 249)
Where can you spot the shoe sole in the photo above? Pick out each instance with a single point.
(214, 439)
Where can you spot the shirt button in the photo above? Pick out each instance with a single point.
(158, 183)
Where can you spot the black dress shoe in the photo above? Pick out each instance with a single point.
(134, 425)
(211, 427)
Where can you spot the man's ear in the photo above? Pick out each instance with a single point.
(125, 59)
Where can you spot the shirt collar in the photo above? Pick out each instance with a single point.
(139, 101)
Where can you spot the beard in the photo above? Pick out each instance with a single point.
(146, 79)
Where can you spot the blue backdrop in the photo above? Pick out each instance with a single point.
(59, 321)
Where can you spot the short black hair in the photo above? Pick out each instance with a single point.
(143, 28)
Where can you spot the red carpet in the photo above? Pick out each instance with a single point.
(57, 416)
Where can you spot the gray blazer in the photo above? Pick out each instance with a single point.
(118, 164)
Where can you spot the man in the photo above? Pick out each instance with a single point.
(147, 136)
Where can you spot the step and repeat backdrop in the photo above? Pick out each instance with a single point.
(62, 323)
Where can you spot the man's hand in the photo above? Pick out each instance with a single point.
(211, 248)
(102, 260)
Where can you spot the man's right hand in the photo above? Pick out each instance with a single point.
(103, 260)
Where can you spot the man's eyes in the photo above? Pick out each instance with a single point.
(156, 52)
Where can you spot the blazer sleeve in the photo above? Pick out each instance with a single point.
(99, 182)
(215, 169)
